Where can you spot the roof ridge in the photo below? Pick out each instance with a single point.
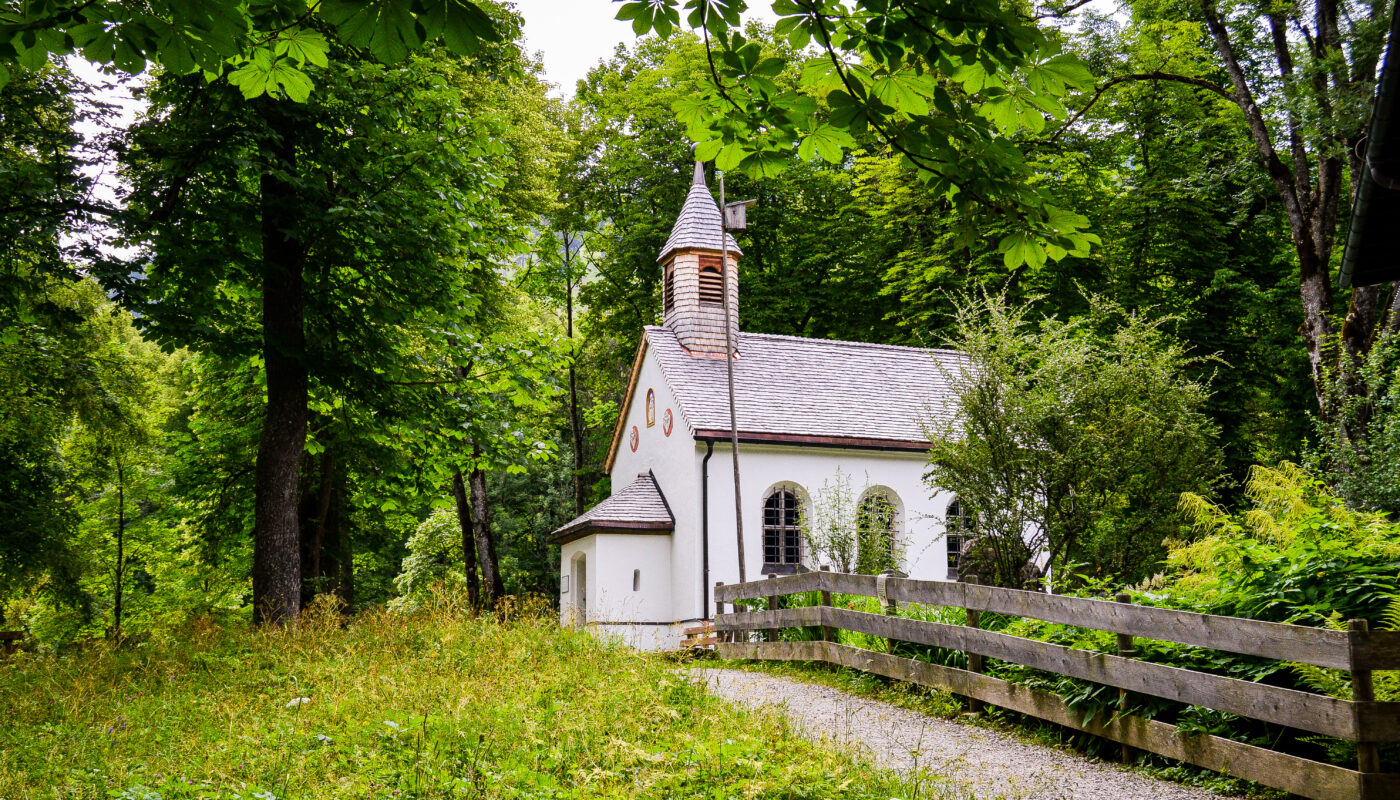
(819, 340)
(852, 342)
(657, 485)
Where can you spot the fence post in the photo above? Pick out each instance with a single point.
(1368, 757)
(974, 660)
(828, 634)
(773, 633)
(1126, 650)
(719, 611)
(891, 607)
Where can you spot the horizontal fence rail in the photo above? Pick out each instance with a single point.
(1358, 650)
(1319, 646)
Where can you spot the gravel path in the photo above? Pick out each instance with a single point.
(974, 761)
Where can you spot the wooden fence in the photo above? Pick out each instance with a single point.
(1357, 650)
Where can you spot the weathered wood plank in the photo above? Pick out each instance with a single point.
(765, 620)
(1378, 722)
(1310, 712)
(1380, 786)
(846, 583)
(786, 584)
(1325, 648)
(1376, 650)
(1285, 772)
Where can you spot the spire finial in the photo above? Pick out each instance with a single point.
(699, 179)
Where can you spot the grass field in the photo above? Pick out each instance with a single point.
(430, 705)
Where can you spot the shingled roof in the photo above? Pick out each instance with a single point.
(699, 224)
(813, 391)
(639, 508)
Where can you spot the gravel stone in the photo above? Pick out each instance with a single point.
(970, 760)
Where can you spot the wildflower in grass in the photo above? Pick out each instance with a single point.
(298, 701)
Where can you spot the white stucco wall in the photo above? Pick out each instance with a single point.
(628, 578)
(635, 578)
(674, 462)
(761, 467)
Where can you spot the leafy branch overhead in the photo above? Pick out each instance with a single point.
(262, 48)
(946, 87)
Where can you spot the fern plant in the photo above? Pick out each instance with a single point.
(1337, 682)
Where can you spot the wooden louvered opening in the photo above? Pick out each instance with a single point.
(711, 281)
(668, 290)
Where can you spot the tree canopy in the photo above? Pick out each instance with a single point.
(361, 316)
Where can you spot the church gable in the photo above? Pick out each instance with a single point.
(651, 414)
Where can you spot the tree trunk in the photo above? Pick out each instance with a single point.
(276, 539)
(464, 524)
(481, 531)
(1311, 195)
(314, 510)
(121, 554)
(575, 423)
(332, 548)
(345, 582)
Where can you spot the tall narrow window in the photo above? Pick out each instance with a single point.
(957, 530)
(875, 527)
(668, 290)
(711, 281)
(782, 533)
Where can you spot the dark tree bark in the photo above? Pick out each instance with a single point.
(121, 552)
(338, 538)
(464, 524)
(332, 548)
(316, 577)
(575, 420)
(276, 535)
(481, 531)
(1311, 193)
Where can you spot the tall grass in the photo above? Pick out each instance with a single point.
(435, 704)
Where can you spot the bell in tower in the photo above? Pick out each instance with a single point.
(695, 276)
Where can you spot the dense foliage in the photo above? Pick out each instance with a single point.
(1071, 442)
(369, 295)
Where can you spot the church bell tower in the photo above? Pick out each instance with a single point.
(694, 275)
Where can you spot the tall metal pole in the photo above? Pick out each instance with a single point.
(729, 368)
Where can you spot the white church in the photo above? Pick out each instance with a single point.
(642, 564)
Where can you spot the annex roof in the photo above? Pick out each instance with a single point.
(815, 392)
(699, 225)
(639, 508)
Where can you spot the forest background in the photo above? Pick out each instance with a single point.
(477, 260)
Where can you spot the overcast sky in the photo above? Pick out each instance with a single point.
(574, 35)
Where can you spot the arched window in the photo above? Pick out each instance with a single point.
(876, 520)
(782, 532)
(957, 528)
(711, 281)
